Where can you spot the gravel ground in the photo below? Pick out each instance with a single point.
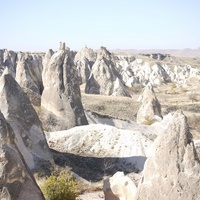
(91, 195)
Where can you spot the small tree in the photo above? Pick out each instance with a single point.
(60, 187)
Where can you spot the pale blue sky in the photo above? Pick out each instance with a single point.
(37, 25)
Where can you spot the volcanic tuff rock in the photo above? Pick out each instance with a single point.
(150, 110)
(103, 141)
(173, 170)
(29, 72)
(19, 113)
(139, 71)
(84, 61)
(8, 60)
(17, 182)
(85, 53)
(184, 75)
(83, 70)
(104, 78)
(29, 76)
(61, 99)
(119, 187)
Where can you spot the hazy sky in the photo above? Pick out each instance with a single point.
(37, 25)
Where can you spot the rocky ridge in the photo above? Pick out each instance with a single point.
(115, 71)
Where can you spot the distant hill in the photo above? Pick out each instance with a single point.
(174, 52)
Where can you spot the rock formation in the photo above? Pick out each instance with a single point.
(104, 78)
(86, 53)
(17, 182)
(19, 113)
(150, 110)
(173, 170)
(119, 187)
(8, 60)
(142, 72)
(29, 76)
(61, 99)
(83, 70)
(130, 70)
(127, 148)
(84, 60)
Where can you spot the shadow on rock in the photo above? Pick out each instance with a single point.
(95, 169)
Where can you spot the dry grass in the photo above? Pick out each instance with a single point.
(172, 98)
(117, 107)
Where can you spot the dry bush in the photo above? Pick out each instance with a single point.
(59, 186)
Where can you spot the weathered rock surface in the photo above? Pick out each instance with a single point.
(61, 99)
(131, 70)
(104, 78)
(173, 170)
(8, 60)
(84, 61)
(86, 53)
(83, 69)
(119, 187)
(29, 76)
(142, 70)
(139, 71)
(103, 141)
(150, 110)
(19, 113)
(17, 182)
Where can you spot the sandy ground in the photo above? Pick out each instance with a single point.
(91, 196)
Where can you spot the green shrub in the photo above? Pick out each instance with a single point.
(60, 187)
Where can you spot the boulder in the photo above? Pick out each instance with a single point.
(17, 182)
(61, 99)
(150, 110)
(104, 78)
(119, 187)
(173, 169)
(19, 113)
